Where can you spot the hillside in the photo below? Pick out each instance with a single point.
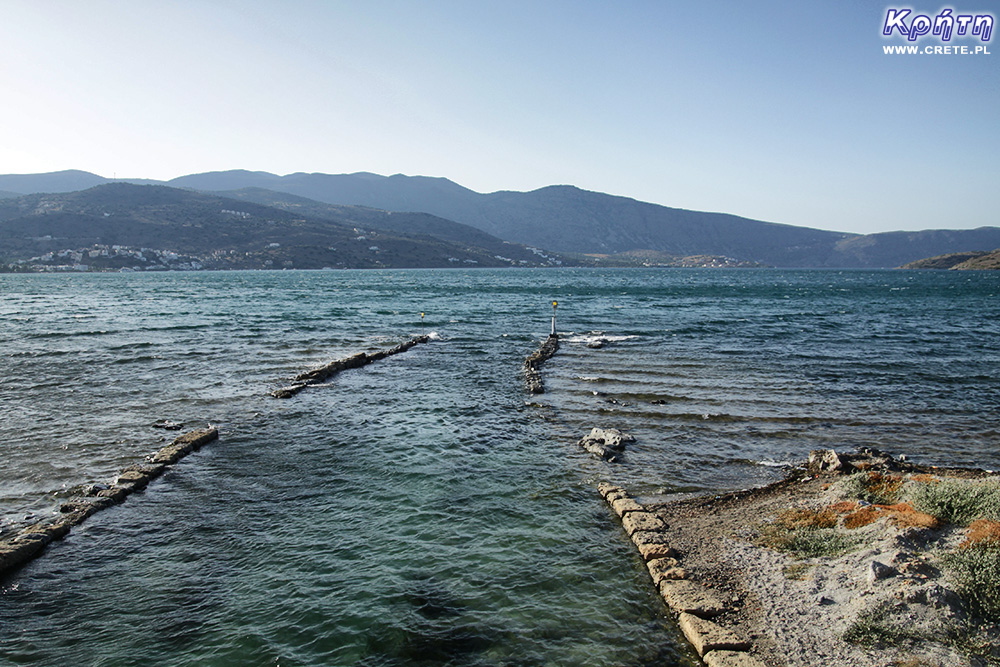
(566, 219)
(988, 262)
(121, 225)
(959, 261)
(405, 223)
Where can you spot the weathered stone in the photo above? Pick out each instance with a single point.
(877, 571)
(532, 376)
(609, 491)
(169, 454)
(15, 554)
(731, 659)
(644, 521)
(824, 460)
(623, 506)
(605, 443)
(654, 550)
(664, 569)
(289, 391)
(707, 636)
(198, 437)
(136, 480)
(691, 598)
(115, 494)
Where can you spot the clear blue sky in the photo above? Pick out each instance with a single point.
(787, 111)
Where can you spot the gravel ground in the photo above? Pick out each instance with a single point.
(797, 611)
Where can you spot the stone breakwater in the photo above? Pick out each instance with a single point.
(29, 542)
(324, 373)
(533, 364)
(695, 604)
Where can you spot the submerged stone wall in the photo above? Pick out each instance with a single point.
(24, 545)
(324, 373)
(29, 542)
(694, 603)
(533, 364)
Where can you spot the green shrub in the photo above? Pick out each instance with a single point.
(874, 487)
(805, 541)
(977, 570)
(957, 501)
(872, 629)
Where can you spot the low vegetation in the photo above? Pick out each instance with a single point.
(804, 533)
(963, 514)
(957, 501)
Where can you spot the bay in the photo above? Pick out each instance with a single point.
(425, 509)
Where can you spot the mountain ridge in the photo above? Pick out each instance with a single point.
(568, 219)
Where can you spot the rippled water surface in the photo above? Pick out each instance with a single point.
(424, 509)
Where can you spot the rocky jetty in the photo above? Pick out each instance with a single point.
(29, 542)
(695, 604)
(325, 372)
(533, 364)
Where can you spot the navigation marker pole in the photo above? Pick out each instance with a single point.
(554, 304)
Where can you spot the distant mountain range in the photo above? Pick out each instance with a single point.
(560, 218)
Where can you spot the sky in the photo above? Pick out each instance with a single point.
(784, 111)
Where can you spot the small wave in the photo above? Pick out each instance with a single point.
(434, 335)
(597, 337)
(768, 463)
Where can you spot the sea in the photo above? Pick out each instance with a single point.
(426, 509)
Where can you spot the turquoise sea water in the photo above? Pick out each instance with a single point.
(425, 510)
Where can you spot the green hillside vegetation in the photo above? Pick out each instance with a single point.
(107, 227)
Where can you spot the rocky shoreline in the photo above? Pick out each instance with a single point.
(879, 587)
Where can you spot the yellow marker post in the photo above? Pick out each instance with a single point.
(554, 305)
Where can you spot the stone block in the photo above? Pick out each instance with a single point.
(654, 550)
(623, 506)
(707, 636)
(663, 569)
(135, 479)
(691, 598)
(642, 521)
(609, 491)
(731, 659)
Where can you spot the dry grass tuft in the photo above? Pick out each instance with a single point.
(807, 518)
(925, 479)
(984, 532)
(901, 514)
(904, 516)
(863, 517)
(845, 507)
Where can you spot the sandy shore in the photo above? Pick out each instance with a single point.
(888, 596)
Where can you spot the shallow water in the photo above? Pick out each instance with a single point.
(417, 511)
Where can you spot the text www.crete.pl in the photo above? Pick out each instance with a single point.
(938, 50)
